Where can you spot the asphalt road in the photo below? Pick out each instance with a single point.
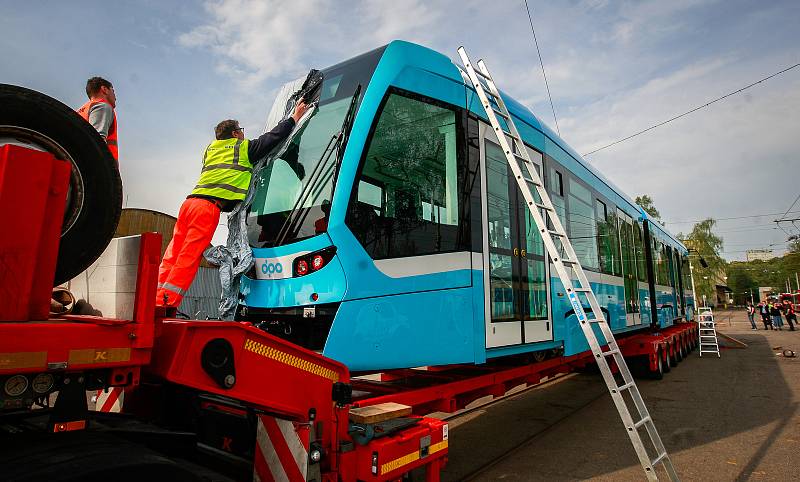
(732, 418)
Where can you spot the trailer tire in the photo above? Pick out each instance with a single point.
(658, 374)
(94, 200)
(666, 357)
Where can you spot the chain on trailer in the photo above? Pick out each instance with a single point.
(564, 258)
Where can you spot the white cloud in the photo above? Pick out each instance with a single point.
(255, 40)
(613, 68)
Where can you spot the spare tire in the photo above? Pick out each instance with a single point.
(94, 199)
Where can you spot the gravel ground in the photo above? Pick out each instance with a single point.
(732, 418)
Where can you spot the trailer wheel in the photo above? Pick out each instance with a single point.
(94, 199)
(666, 357)
(658, 374)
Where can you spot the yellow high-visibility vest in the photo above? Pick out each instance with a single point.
(226, 170)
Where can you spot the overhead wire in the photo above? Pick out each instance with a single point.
(693, 110)
(790, 208)
(541, 62)
(728, 218)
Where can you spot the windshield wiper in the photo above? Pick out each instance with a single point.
(322, 170)
(347, 125)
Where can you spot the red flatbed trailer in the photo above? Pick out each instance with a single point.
(210, 399)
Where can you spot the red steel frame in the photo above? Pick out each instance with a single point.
(272, 375)
(448, 389)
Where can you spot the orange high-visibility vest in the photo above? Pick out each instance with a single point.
(111, 138)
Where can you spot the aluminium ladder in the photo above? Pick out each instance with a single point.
(707, 332)
(564, 260)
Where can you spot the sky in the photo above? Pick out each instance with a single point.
(613, 67)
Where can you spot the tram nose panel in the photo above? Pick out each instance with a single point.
(300, 279)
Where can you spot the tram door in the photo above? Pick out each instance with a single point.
(631, 283)
(516, 270)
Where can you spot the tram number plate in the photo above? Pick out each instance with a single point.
(309, 312)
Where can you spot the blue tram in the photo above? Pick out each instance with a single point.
(408, 244)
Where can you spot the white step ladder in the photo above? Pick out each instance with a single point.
(707, 331)
(565, 260)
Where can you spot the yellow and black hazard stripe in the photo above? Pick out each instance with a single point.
(291, 360)
(410, 458)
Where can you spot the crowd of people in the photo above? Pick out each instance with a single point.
(772, 314)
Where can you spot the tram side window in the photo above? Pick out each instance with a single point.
(604, 241)
(641, 262)
(408, 196)
(556, 188)
(654, 251)
(582, 227)
(670, 266)
(661, 264)
(686, 273)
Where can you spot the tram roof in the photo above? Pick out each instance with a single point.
(405, 50)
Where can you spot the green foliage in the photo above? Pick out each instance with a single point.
(703, 243)
(794, 244)
(745, 276)
(646, 203)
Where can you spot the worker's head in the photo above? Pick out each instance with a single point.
(100, 88)
(228, 129)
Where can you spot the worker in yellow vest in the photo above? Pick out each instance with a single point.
(223, 183)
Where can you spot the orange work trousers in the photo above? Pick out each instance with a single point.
(197, 221)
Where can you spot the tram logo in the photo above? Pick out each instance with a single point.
(268, 268)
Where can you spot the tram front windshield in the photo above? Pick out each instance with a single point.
(293, 194)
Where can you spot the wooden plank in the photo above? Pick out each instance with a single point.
(379, 413)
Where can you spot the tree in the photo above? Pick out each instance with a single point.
(646, 203)
(704, 254)
(794, 244)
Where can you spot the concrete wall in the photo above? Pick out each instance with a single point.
(109, 284)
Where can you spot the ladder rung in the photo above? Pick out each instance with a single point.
(485, 76)
(535, 183)
(610, 352)
(582, 290)
(488, 92)
(524, 160)
(542, 206)
(563, 235)
(501, 114)
(642, 422)
(658, 459)
(626, 386)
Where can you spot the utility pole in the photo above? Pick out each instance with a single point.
(797, 280)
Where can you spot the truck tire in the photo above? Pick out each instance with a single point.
(94, 200)
(658, 373)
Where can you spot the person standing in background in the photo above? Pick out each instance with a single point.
(99, 112)
(775, 313)
(763, 310)
(791, 316)
(751, 312)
